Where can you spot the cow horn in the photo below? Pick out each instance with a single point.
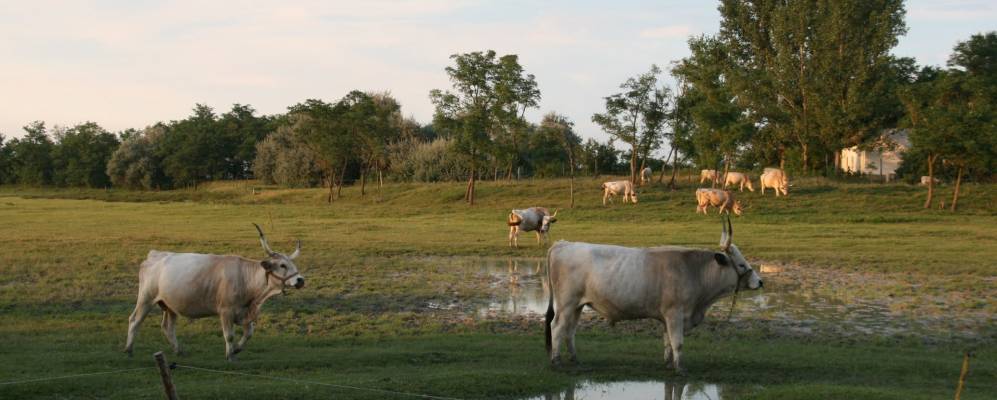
(555, 213)
(297, 251)
(727, 234)
(263, 241)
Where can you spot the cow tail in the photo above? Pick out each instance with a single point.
(549, 316)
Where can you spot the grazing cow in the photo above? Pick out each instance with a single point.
(645, 175)
(739, 178)
(927, 179)
(775, 178)
(610, 189)
(201, 285)
(674, 285)
(723, 199)
(707, 174)
(536, 219)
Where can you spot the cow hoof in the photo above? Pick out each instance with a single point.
(681, 372)
(237, 351)
(555, 362)
(128, 352)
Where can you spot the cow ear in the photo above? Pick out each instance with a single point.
(721, 259)
(267, 265)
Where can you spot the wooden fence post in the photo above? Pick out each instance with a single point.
(962, 375)
(164, 372)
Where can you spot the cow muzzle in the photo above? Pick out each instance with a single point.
(299, 283)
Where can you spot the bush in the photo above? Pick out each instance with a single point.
(434, 161)
(283, 159)
(135, 165)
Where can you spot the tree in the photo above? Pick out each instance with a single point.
(599, 158)
(192, 150)
(136, 163)
(636, 116)
(717, 124)
(562, 129)
(81, 154)
(32, 156)
(330, 138)
(486, 91)
(812, 72)
(283, 158)
(240, 130)
(6, 161)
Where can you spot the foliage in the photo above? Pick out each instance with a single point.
(283, 158)
(413, 160)
(31, 156)
(81, 154)
(636, 116)
(137, 163)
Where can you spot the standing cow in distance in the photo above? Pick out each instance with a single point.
(722, 199)
(674, 285)
(537, 219)
(626, 188)
(775, 178)
(707, 174)
(739, 178)
(925, 180)
(645, 176)
(202, 285)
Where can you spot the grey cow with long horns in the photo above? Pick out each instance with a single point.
(200, 285)
(674, 285)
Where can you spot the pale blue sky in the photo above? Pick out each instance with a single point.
(127, 64)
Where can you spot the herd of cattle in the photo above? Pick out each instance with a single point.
(674, 285)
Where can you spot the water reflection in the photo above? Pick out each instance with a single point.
(640, 390)
(520, 286)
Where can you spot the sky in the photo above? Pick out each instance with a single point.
(132, 63)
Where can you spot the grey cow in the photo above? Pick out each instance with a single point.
(537, 219)
(674, 285)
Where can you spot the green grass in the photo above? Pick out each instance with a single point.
(68, 281)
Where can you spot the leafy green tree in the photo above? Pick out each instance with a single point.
(283, 158)
(636, 116)
(562, 130)
(136, 164)
(193, 151)
(80, 155)
(719, 125)
(813, 73)
(240, 130)
(6, 162)
(599, 158)
(486, 92)
(330, 137)
(32, 156)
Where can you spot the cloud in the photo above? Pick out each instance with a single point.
(667, 32)
(952, 10)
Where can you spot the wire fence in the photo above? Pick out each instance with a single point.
(309, 382)
(236, 373)
(74, 376)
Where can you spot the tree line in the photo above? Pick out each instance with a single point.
(783, 83)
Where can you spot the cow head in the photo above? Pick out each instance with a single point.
(514, 219)
(280, 267)
(547, 220)
(747, 278)
(737, 208)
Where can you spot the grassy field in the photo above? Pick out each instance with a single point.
(68, 280)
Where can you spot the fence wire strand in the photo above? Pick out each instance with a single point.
(277, 378)
(74, 376)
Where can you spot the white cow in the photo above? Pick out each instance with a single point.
(722, 199)
(674, 285)
(537, 219)
(927, 179)
(707, 175)
(626, 188)
(739, 178)
(645, 175)
(201, 285)
(775, 178)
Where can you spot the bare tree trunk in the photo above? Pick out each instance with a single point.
(332, 183)
(469, 195)
(342, 175)
(380, 178)
(727, 158)
(931, 179)
(363, 182)
(955, 194)
(633, 164)
(675, 170)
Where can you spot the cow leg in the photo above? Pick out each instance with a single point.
(228, 332)
(142, 308)
(674, 327)
(247, 332)
(170, 328)
(539, 239)
(565, 320)
(605, 195)
(513, 236)
(573, 328)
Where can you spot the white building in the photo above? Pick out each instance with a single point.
(882, 159)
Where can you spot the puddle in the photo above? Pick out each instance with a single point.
(640, 390)
(795, 301)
